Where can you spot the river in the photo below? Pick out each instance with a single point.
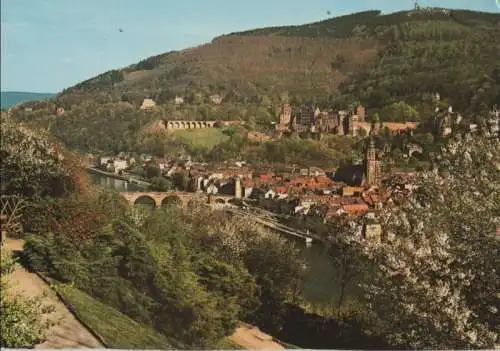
(320, 282)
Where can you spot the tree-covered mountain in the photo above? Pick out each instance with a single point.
(11, 98)
(377, 59)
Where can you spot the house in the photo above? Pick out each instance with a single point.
(178, 100)
(119, 165)
(270, 194)
(372, 232)
(216, 99)
(161, 164)
(148, 104)
(104, 160)
(212, 189)
(281, 191)
(316, 172)
(355, 209)
(352, 191)
(60, 111)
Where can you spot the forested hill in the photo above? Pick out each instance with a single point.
(377, 25)
(377, 59)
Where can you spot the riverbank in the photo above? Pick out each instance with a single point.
(128, 178)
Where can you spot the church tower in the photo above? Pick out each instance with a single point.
(372, 165)
(237, 188)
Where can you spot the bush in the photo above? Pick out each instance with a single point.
(21, 323)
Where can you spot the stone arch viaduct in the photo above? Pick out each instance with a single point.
(175, 197)
(179, 125)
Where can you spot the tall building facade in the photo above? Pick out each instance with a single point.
(305, 118)
(373, 166)
(285, 114)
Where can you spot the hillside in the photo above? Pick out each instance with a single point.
(11, 98)
(369, 57)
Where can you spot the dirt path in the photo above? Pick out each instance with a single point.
(251, 338)
(68, 332)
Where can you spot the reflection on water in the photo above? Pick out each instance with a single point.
(113, 183)
(320, 284)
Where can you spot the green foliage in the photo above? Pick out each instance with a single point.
(31, 165)
(436, 280)
(167, 278)
(152, 171)
(200, 141)
(21, 324)
(330, 152)
(377, 59)
(399, 112)
(106, 79)
(180, 180)
(112, 325)
(160, 184)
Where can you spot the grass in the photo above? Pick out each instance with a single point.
(227, 344)
(116, 329)
(206, 138)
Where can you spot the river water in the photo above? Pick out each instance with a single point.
(320, 285)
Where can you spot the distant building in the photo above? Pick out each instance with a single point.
(373, 166)
(178, 100)
(104, 160)
(285, 118)
(119, 165)
(148, 104)
(444, 122)
(216, 99)
(305, 118)
(361, 113)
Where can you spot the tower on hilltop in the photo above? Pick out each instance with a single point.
(372, 164)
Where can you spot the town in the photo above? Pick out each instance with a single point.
(331, 181)
(292, 191)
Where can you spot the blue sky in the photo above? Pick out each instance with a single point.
(48, 45)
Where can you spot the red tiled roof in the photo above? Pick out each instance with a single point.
(281, 190)
(355, 208)
(400, 126)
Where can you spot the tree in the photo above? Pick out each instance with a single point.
(21, 321)
(31, 164)
(160, 184)
(152, 171)
(437, 280)
(399, 112)
(180, 180)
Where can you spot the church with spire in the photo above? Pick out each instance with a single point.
(372, 166)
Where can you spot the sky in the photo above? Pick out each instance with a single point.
(49, 45)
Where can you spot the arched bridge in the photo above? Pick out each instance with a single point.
(175, 125)
(173, 197)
